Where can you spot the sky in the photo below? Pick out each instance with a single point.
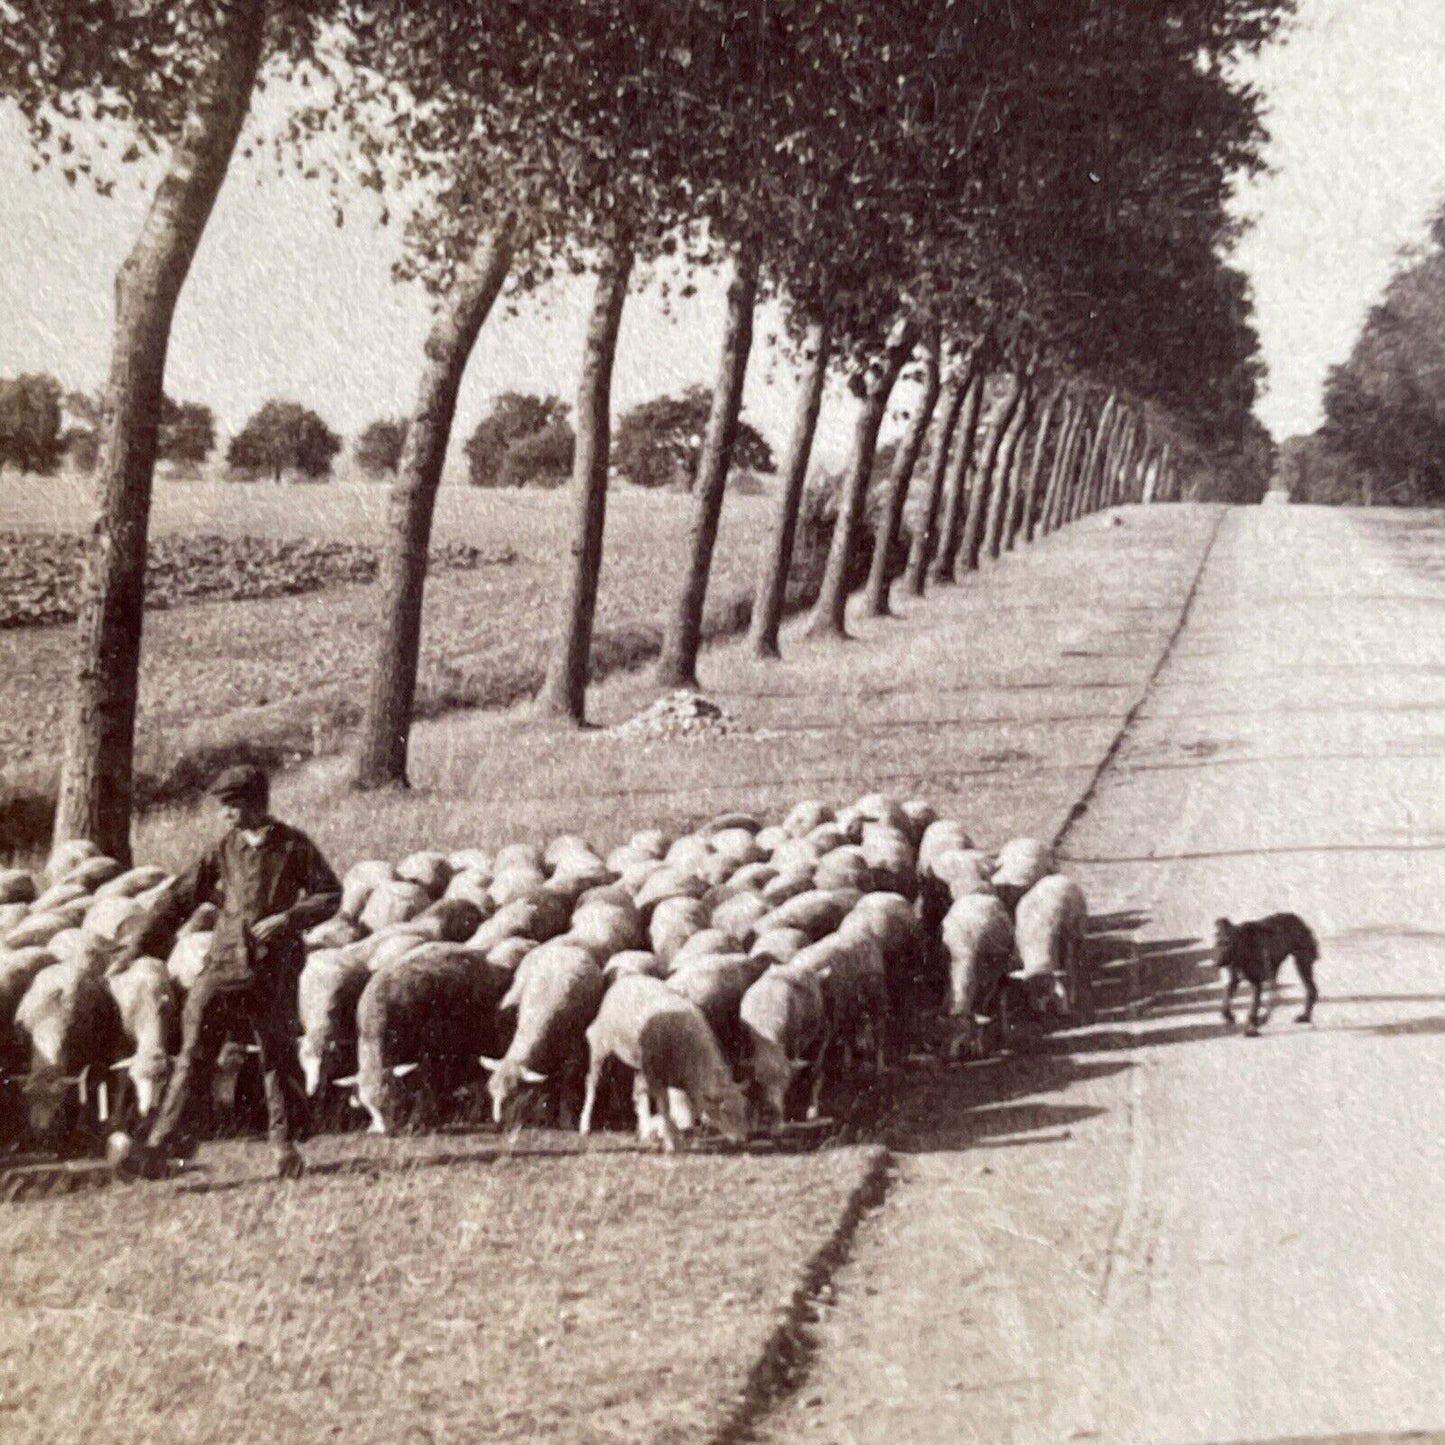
(283, 302)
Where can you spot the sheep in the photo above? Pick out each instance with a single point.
(107, 916)
(978, 936)
(432, 1014)
(61, 895)
(888, 919)
(779, 944)
(788, 884)
(335, 932)
(951, 875)
(393, 901)
(668, 882)
(75, 1033)
(716, 983)
(39, 928)
(666, 1040)
(1049, 931)
(845, 867)
(513, 883)
(510, 952)
(786, 1027)
(891, 859)
(133, 881)
(150, 1016)
(705, 943)
(327, 993)
(187, 958)
(606, 927)
(93, 873)
(556, 992)
(816, 912)
(17, 886)
(943, 835)
(65, 856)
(526, 856)
(674, 921)
(11, 916)
(360, 881)
(475, 887)
(633, 960)
(470, 860)
(851, 970)
(738, 915)
(921, 815)
(1021, 863)
(803, 817)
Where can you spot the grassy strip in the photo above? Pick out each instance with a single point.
(452, 1284)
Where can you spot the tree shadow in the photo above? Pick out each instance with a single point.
(1403, 1029)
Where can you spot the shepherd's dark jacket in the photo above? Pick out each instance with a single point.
(282, 873)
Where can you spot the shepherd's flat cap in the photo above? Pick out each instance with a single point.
(243, 781)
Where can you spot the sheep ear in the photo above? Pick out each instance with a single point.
(400, 1071)
(531, 1076)
(490, 1065)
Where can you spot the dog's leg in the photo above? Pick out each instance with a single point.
(1231, 984)
(1307, 978)
(1252, 1029)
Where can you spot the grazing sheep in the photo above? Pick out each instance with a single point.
(334, 932)
(360, 882)
(475, 887)
(133, 881)
(556, 992)
(633, 960)
(665, 1039)
(668, 882)
(716, 983)
(943, 835)
(952, 875)
(779, 944)
(738, 915)
(769, 838)
(687, 853)
(11, 916)
(827, 836)
(786, 1026)
(61, 895)
(75, 1034)
(674, 921)
(855, 992)
(526, 856)
(513, 883)
(429, 1015)
(816, 912)
(510, 952)
(805, 816)
(17, 886)
(788, 884)
(606, 927)
(64, 857)
(888, 919)
(470, 860)
(921, 816)
(845, 867)
(1021, 863)
(1049, 931)
(891, 859)
(39, 928)
(150, 1016)
(705, 943)
(393, 901)
(978, 936)
(327, 993)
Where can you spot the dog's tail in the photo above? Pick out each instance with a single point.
(1306, 946)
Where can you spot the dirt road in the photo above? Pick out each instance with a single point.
(1157, 1231)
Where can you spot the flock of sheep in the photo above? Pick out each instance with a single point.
(730, 969)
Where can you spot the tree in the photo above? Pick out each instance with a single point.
(178, 79)
(30, 423)
(514, 417)
(187, 432)
(378, 448)
(1385, 405)
(283, 436)
(658, 442)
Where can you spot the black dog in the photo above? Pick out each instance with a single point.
(1254, 951)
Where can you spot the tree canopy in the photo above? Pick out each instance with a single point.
(30, 437)
(658, 442)
(282, 437)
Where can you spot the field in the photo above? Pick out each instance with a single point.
(285, 676)
(476, 1286)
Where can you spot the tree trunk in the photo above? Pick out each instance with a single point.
(1058, 471)
(955, 487)
(1094, 457)
(381, 754)
(677, 665)
(1001, 500)
(564, 691)
(1024, 518)
(828, 613)
(1067, 503)
(772, 590)
(978, 496)
(899, 475)
(97, 773)
(926, 537)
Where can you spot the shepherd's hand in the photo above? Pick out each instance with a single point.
(268, 927)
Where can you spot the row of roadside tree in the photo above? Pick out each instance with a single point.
(1009, 198)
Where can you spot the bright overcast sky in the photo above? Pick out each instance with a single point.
(282, 302)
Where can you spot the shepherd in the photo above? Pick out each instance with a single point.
(271, 883)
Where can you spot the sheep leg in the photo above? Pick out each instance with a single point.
(663, 1115)
(589, 1097)
(816, 1090)
(642, 1105)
